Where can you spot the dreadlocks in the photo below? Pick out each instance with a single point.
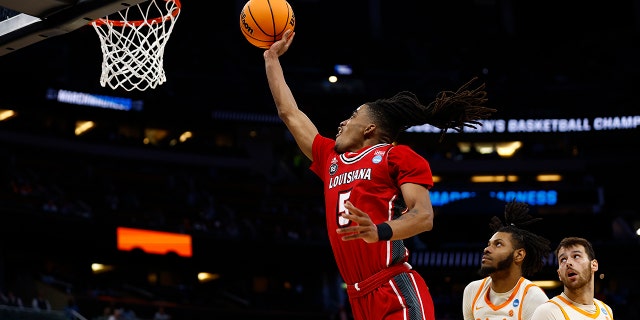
(450, 110)
(517, 215)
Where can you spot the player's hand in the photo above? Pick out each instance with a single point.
(281, 46)
(364, 229)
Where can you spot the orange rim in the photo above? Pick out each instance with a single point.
(137, 23)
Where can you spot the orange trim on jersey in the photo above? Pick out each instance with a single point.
(473, 304)
(513, 294)
(606, 306)
(524, 296)
(586, 314)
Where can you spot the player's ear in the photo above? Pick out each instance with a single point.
(594, 265)
(519, 254)
(370, 129)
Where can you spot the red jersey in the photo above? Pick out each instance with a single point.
(371, 180)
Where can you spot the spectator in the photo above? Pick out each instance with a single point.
(116, 314)
(13, 300)
(161, 314)
(40, 303)
(106, 314)
(71, 309)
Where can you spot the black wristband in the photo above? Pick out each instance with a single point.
(384, 231)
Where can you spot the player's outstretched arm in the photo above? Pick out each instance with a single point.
(300, 126)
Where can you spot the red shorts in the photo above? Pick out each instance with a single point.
(396, 294)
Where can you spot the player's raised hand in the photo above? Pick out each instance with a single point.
(281, 46)
(363, 229)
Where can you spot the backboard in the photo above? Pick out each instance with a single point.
(25, 22)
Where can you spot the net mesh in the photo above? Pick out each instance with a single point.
(133, 42)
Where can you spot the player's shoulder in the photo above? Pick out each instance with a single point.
(402, 150)
(599, 301)
(320, 139)
(547, 311)
(606, 309)
(323, 144)
(475, 284)
(546, 308)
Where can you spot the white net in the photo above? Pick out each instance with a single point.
(133, 42)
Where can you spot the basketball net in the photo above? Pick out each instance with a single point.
(133, 42)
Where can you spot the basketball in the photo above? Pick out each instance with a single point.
(263, 22)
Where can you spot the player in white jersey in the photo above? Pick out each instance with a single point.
(511, 255)
(577, 265)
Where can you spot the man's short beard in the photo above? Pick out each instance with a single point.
(579, 284)
(502, 265)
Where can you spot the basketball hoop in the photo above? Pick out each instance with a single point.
(133, 44)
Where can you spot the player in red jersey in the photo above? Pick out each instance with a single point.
(376, 192)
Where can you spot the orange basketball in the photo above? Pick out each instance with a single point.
(264, 21)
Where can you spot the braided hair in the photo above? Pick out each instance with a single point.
(537, 247)
(450, 110)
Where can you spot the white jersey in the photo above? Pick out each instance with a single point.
(561, 308)
(480, 302)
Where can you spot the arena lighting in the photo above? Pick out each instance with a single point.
(609, 123)
(547, 284)
(549, 177)
(343, 69)
(507, 149)
(100, 268)
(464, 147)
(484, 147)
(503, 149)
(83, 126)
(498, 178)
(186, 136)
(94, 100)
(6, 114)
(154, 242)
(154, 136)
(455, 258)
(532, 197)
(207, 276)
